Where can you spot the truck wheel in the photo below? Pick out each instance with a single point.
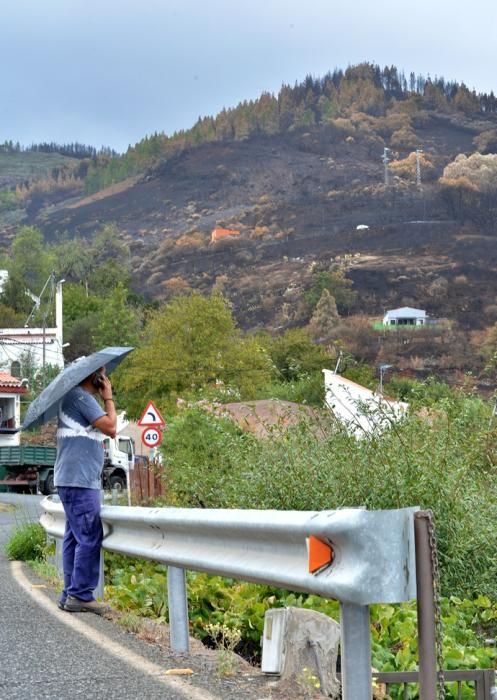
(118, 483)
(49, 486)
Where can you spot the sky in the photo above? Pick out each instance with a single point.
(108, 72)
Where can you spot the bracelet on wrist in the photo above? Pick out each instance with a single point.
(111, 399)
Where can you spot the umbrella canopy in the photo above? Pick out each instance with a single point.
(46, 406)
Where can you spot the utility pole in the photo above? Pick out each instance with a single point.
(43, 362)
(386, 159)
(383, 369)
(418, 167)
(494, 413)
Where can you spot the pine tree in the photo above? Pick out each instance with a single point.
(325, 318)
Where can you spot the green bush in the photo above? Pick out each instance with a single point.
(27, 543)
(444, 462)
(140, 587)
(307, 389)
(197, 459)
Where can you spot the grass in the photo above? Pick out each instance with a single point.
(27, 543)
(131, 622)
(48, 572)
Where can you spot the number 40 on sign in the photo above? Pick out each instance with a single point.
(151, 437)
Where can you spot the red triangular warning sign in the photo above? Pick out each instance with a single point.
(151, 417)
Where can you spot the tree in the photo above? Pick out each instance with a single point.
(481, 171)
(29, 266)
(469, 184)
(466, 100)
(325, 318)
(118, 322)
(107, 244)
(74, 259)
(486, 141)
(190, 344)
(406, 167)
(10, 318)
(80, 339)
(107, 276)
(14, 296)
(294, 354)
(338, 285)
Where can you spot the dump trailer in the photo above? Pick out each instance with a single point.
(28, 468)
(31, 467)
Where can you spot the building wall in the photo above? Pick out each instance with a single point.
(360, 410)
(222, 233)
(10, 416)
(16, 342)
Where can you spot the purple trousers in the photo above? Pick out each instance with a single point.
(82, 541)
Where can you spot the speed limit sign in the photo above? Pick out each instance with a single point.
(151, 437)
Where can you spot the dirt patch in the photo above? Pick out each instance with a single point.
(6, 507)
(107, 192)
(208, 667)
(268, 417)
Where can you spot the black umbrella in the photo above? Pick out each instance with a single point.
(46, 406)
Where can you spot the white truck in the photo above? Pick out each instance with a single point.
(119, 457)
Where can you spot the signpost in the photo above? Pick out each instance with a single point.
(151, 417)
(152, 422)
(151, 437)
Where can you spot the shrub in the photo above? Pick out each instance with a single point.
(27, 543)
(138, 587)
(444, 464)
(307, 389)
(404, 138)
(197, 459)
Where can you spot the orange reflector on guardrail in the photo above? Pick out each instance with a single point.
(320, 554)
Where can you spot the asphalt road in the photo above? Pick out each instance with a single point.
(51, 654)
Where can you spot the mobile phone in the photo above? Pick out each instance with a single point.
(97, 380)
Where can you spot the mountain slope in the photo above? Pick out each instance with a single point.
(296, 175)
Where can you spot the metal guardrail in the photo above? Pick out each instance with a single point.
(373, 550)
(371, 560)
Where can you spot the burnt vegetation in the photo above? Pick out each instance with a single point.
(296, 174)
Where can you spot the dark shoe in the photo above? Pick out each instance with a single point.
(61, 604)
(76, 605)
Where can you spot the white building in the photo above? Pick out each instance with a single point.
(42, 345)
(11, 390)
(405, 316)
(4, 275)
(361, 411)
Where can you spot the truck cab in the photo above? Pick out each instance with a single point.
(119, 456)
(11, 390)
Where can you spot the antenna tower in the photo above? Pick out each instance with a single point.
(418, 167)
(386, 159)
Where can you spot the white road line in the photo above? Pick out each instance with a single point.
(107, 644)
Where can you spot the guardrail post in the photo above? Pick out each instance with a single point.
(178, 609)
(490, 687)
(357, 680)
(58, 557)
(99, 590)
(426, 609)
